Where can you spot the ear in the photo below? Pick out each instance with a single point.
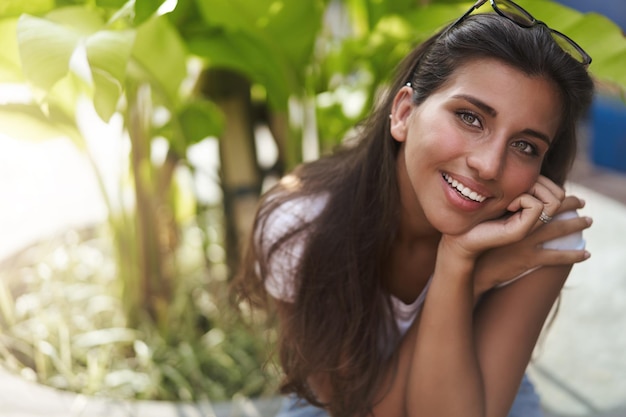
(400, 112)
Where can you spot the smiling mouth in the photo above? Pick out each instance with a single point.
(464, 191)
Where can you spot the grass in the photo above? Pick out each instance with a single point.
(62, 324)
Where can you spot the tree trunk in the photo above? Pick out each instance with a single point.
(239, 171)
(153, 287)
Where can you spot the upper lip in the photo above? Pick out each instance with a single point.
(471, 184)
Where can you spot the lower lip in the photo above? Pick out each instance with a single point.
(457, 200)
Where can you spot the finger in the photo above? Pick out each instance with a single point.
(571, 203)
(550, 194)
(555, 257)
(554, 188)
(561, 228)
(526, 210)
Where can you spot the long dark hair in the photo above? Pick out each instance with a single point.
(340, 308)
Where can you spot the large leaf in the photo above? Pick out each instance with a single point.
(10, 67)
(273, 40)
(365, 14)
(111, 4)
(45, 50)
(77, 83)
(162, 55)
(106, 95)
(200, 119)
(108, 53)
(110, 50)
(144, 9)
(292, 28)
(14, 8)
(28, 122)
(81, 19)
(243, 53)
(597, 34)
(48, 45)
(195, 120)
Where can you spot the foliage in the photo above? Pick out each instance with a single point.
(85, 345)
(352, 67)
(318, 63)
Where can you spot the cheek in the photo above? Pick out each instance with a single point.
(520, 181)
(441, 142)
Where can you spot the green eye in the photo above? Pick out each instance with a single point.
(525, 147)
(469, 118)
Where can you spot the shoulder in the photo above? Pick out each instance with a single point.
(282, 245)
(290, 214)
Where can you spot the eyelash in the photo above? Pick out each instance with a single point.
(464, 114)
(533, 148)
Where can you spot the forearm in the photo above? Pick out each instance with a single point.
(507, 323)
(445, 378)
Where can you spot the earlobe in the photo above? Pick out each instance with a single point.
(400, 112)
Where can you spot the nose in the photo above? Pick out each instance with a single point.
(487, 160)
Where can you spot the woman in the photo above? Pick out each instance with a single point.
(394, 263)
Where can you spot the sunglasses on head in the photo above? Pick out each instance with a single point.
(516, 14)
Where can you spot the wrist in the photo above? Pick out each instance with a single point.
(451, 249)
(454, 261)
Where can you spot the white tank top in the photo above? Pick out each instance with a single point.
(284, 261)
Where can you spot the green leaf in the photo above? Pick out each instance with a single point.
(10, 67)
(45, 50)
(605, 42)
(76, 84)
(200, 119)
(82, 19)
(107, 93)
(161, 53)
(111, 4)
(144, 9)
(596, 34)
(108, 336)
(235, 14)
(28, 122)
(269, 41)
(14, 8)
(48, 47)
(247, 56)
(293, 28)
(109, 51)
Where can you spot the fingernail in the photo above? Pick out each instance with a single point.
(582, 202)
(586, 255)
(589, 220)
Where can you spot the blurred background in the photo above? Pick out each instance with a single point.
(136, 138)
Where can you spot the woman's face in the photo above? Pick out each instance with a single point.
(473, 145)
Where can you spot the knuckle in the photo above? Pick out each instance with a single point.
(560, 194)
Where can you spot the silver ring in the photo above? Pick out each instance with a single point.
(544, 217)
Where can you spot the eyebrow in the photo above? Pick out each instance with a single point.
(493, 113)
(478, 103)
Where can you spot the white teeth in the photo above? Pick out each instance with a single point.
(466, 191)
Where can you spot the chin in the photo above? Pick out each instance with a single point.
(452, 228)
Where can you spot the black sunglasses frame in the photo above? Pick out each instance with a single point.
(585, 58)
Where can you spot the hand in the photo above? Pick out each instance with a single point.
(523, 213)
(502, 264)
